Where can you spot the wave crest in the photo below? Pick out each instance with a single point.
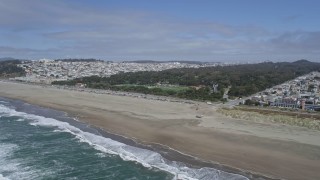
(147, 158)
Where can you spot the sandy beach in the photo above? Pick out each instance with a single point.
(273, 150)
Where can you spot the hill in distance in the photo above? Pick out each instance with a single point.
(7, 59)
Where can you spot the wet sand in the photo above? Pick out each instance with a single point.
(270, 149)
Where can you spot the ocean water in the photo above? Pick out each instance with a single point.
(39, 143)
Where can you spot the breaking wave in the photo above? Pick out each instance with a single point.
(147, 158)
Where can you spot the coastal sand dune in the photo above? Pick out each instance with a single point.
(271, 149)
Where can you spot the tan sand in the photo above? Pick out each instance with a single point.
(271, 149)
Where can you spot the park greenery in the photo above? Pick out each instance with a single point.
(9, 68)
(241, 80)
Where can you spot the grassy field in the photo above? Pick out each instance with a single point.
(165, 88)
(171, 88)
(271, 117)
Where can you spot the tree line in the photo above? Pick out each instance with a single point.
(10, 69)
(243, 80)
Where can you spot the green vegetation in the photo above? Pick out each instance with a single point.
(167, 90)
(156, 90)
(243, 79)
(202, 93)
(275, 117)
(250, 102)
(10, 69)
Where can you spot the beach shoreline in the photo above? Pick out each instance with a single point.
(174, 125)
(166, 152)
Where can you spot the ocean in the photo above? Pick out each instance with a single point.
(40, 143)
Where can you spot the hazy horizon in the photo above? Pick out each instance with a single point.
(143, 60)
(207, 31)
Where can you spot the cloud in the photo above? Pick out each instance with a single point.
(24, 53)
(297, 42)
(60, 29)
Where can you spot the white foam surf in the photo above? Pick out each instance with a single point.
(147, 158)
(5, 166)
(12, 167)
(3, 178)
(4, 102)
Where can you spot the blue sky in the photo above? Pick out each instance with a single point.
(203, 30)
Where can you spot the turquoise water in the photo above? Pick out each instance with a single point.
(37, 147)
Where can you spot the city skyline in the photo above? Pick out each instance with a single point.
(228, 31)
